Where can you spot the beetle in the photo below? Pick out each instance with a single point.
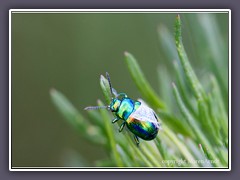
(140, 119)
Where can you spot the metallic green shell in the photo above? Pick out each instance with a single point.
(125, 108)
(140, 119)
(143, 123)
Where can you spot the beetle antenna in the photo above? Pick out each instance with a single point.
(110, 85)
(96, 107)
(114, 92)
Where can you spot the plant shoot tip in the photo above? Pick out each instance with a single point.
(126, 53)
(52, 90)
(101, 77)
(173, 84)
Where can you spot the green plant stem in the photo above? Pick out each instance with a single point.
(180, 145)
(190, 75)
(74, 118)
(195, 127)
(110, 133)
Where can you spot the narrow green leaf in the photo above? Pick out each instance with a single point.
(215, 45)
(105, 88)
(223, 152)
(65, 107)
(124, 156)
(183, 108)
(177, 125)
(195, 126)
(141, 82)
(206, 156)
(197, 150)
(218, 106)
(110, 134)
(212, 131)
(143, 155)
(167, 43)
(148, 152)
(96, 118)
(162, 149)
(165, 87)
(75, 118)
(139, 156)
(182, 148)
(184, 90)
(190, 75)
(129, 152)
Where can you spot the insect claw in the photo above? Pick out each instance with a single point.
(136, 140)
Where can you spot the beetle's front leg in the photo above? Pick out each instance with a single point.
(115, 120)
(122, 126)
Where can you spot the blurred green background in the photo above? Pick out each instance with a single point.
(69, 52)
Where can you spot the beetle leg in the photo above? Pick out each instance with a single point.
(122, 126)
(136, 140)
(115, 120)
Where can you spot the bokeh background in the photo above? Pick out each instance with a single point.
(68, 52)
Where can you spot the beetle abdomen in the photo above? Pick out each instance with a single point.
(143, 123)
(144, 129)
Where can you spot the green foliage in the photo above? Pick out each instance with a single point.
(194, 121)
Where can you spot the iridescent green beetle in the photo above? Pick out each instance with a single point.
(139, 118)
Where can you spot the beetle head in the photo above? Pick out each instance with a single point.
(114, 105)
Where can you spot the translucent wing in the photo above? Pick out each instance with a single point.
(144, 113)
(143, 122)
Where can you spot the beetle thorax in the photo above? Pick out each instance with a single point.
(125, 108)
